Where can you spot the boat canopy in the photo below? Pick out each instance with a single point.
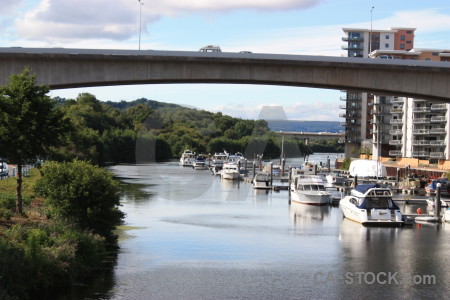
(367, 168)
(363, 188)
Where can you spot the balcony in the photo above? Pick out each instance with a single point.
(395, 153)
(437, 155)
(351, 98)
(352, 47)
(421, 131)
(353, 140)
(396, 110)
(421, 121)
(395, 121)
(421, 109)
(421, 154)
(440, 106)
(395, 142)
(437, 131)
(437, 143)
(395, 132)
(381, 102)
(353, 39)
(421, 143)
(396, 100)
(438, 119)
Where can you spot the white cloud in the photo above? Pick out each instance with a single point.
(54, 20)
(7, 6)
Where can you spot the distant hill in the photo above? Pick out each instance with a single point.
(305, 126)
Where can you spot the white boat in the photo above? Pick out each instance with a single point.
(187, 158)
(230, 170)
(447, 215)
(200, 162)
(261, 181)
(4, 171)
(367, 168)
(335, 178)
(217, 162)
(432, 202)
(308, 189)
(371, 205)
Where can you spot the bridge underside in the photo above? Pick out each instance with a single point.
(65, 70)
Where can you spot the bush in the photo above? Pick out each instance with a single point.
(80, 193)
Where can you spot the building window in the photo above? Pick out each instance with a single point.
(387, 36)
(409, 31)
(386, 45)
(408, 42)
(427, 59)
(402, 37)
(402, 46)
(435, 54)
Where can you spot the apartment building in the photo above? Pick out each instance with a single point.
(418, 128)
(367, 118)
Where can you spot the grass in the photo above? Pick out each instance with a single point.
(32, 208)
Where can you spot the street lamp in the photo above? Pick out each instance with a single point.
(140, 21)
(370, 34)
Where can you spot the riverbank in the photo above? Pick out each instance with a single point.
(42, 254)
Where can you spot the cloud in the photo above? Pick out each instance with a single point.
(54, 20)
(7, 6)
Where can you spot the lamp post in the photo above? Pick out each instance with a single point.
(140, 21)
(370, 34)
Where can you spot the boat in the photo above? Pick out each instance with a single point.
(335, 178)
(410, 184)
(308, 189)
(430, 187)
(4, 171)
(217, 162)
(370, 204)
(230, 170)
(367, 168)
(187, 158)
(261, 181)
(200, 162)
(432, 202)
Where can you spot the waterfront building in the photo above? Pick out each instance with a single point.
(364, 131)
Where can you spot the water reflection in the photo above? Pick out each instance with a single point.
(304, 214)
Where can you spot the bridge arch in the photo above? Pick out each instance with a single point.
(61, 68)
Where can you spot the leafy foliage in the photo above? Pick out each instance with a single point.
(82, 194)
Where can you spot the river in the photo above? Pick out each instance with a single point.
(191, 235)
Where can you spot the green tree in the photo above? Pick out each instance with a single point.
(83, 194)
(30, 123)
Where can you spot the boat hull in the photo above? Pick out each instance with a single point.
(229, 175)
(381, 217)
(311, 199)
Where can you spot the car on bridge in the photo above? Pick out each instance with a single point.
(210, 48)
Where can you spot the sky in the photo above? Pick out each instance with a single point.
(304, 27)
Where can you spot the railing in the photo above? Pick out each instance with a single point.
(396, 110)
(421, 154)
(395, 153)
(421, 143)
(352, 47)
(421, 121)
(351, 98)
(437, 143)
(438, 130)
(421, 131)
(352, 39)
(397, 100)
(421, 109)
(439, 106)
(396, 121)
(438, 155)
(395, 131)
(395, 142)
(437, 119)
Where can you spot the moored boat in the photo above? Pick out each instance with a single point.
(371, 205)
(230, 170)
(261, 181)
(187, 158)
(308, 189)
(200, 162)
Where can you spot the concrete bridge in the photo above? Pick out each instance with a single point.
(61, 68)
